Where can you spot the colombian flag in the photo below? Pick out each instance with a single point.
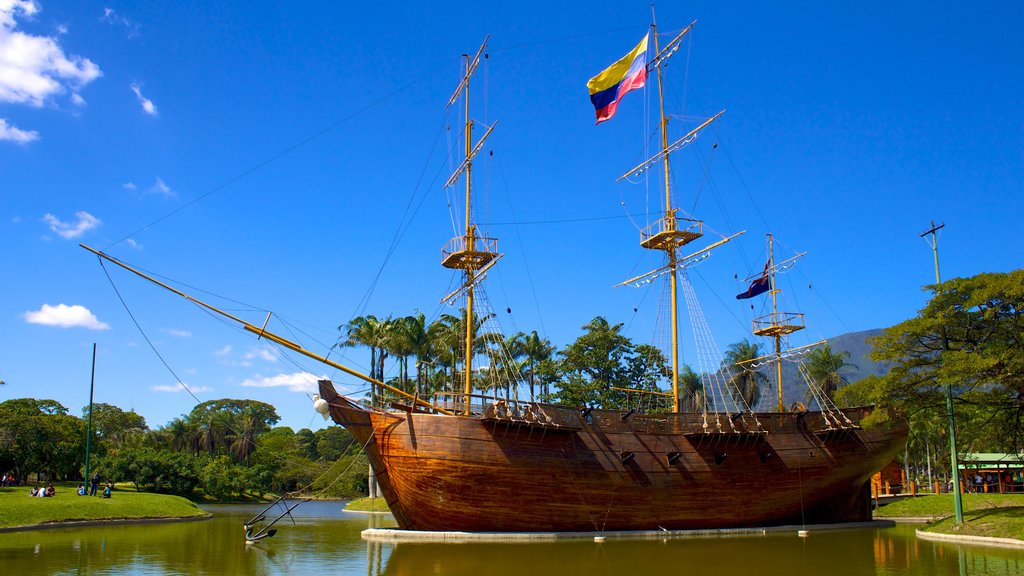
(608, 87)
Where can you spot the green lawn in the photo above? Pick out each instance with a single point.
(940, 505)
(367, 505)
(17, 508)
(993, 515)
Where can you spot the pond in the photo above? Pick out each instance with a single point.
(324, 539)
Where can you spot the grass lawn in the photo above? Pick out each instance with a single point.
(367, 505)
(940, 505)
(17, 508)
(993, 515)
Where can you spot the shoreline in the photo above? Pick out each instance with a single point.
(85, 523)
(967, 539)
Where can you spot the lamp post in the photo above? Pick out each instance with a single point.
(957, 501)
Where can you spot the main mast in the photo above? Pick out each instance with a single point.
(665, 235)
(470, 253)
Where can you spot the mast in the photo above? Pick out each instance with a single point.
(669, 213)
(777, 324)
(469, 252)
(665, 235)
(775, 308)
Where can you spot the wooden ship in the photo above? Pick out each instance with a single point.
(460, 461)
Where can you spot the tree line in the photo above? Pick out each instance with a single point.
(223, 450)
(598, 369)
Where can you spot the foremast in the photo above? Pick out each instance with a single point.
(471, 252)
(670, 232)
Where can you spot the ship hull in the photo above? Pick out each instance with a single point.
(612, 470)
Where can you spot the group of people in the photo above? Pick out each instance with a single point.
(8, 479)
(94, 484)
(43, 492)
(992, 482)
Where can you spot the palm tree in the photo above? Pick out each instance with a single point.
(448, 336)
(823, 369)
(445, 335)
(373, 333)
(536, 350)
(745, 382)
(691, 390)
(416, 341)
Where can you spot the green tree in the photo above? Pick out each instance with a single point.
(535, 350)
(691, 390)
(970, 336)
(745, 381)
(601, 360)
(112, 425)
(824, 368)
(39, 436)
(332, 442)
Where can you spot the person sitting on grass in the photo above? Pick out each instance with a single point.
(50, 490)
(34, 492)
(81, 489)
(107, 490)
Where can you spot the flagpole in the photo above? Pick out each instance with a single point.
(88, 434)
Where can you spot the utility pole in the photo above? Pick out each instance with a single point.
(957, 501)
(88, 434)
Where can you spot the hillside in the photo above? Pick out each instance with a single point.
(855, 343)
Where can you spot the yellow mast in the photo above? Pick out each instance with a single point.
(778, 324)
(467, 386)
(775, 310)
(469, 252)
(664, 235)
(670, 224)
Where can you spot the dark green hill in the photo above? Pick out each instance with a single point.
(855, 343)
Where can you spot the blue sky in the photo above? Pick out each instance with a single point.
(272, 153)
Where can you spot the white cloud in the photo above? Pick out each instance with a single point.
(112, 17)
(15, 134)
(128, 186)
(223, 351)
(34, 68)
(175, 388)
(178, 333)
(65, 316)
(62, 29)
(147, 105)
(77, 100)
(265, 354)
(295, 382)
(160, 188)
(133, 244)
(85, 223)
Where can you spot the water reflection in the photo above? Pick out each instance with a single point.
(325, 539)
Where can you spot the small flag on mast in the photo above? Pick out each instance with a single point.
(760, 285)
(608, 87)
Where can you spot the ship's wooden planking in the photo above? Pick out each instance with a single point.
(617, 471)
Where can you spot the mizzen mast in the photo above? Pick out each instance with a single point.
(470, 252)
(778, 324)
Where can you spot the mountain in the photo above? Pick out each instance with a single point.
(854, 343)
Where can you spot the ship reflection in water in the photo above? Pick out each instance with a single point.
(855, 552)
(325, 540)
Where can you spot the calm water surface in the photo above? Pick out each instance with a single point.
(324, 539)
